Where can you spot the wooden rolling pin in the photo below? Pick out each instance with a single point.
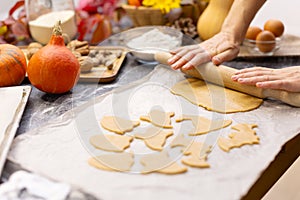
(221, 75)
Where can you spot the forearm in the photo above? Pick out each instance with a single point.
(239, 18)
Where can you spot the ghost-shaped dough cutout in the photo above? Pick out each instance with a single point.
(197, 155)
(114, 143)
(159, 118)
(244, 135)
(118, 125)
(154, 137)
(181, 141)
(196, 151)
(161, 163)
(203, 125)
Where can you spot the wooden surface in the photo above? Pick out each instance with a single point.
(288, 154)
(100, 74)
(287, 187)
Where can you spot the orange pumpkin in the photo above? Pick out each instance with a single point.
(54, 69)
(12, 65)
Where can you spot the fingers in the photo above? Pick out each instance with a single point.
(253, 69)
(256, 79)
(188, 57)
(261, 72)
(281, 84)
(196, 61)
(225, 51)
(180, 52)
(222, 47)
(281, 79)
(184, 48)
(275, 84)
(225, 56)
(252, 76)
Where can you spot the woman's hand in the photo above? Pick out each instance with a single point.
(218, 49)
(283, 79)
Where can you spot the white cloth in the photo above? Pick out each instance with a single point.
(24, 186)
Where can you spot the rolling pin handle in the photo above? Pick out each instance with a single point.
(162, 57)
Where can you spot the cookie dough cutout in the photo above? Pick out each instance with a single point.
(197, 155)
(203, 125)
(244, 135)
(159, 118)
(114, 143)
(161, 163)
(154, 137)
(118, 125)
(181, 141)
(196, 151)
(215, 98)
(121, 162)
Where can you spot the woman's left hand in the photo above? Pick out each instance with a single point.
(282, 79)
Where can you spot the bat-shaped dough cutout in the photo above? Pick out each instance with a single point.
(243, 135)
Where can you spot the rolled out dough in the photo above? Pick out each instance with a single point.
(215, 98)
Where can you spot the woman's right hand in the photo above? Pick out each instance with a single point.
(218, 49)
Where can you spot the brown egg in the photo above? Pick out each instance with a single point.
(252, 32)
(265, 41)
(275, 26)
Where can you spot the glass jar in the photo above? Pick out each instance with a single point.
(42, 15)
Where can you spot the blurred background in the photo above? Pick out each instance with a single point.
(286, 11)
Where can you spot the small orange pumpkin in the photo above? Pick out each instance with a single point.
(12, 65)
(54, 68)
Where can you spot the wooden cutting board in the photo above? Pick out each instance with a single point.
(100, 74)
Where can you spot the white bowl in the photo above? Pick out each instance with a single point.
(144, 42)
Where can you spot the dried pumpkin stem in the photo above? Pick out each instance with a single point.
(57, 29)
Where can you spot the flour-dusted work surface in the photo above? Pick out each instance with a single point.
(61, 149)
